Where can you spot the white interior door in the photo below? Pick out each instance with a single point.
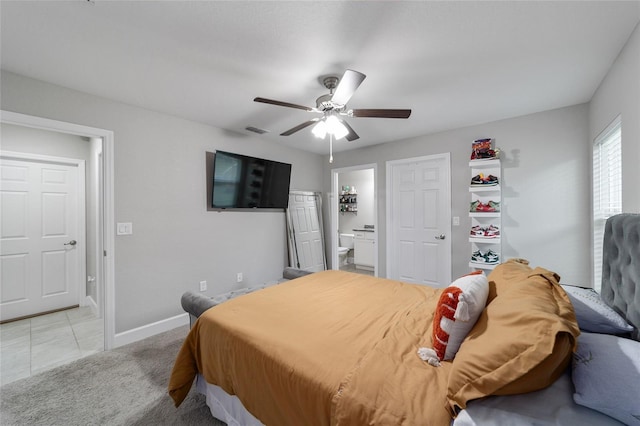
(41, 235)
(306, 241)
(418, 221)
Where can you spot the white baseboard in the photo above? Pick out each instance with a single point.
(88, 301)
(149, 330)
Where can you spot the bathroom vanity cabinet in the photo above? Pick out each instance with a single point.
(364, 249)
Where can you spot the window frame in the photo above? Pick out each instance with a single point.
(601, 154)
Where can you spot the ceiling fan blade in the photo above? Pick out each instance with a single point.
(347, 86)
(382, 113)
(299, 127)
(352, 135)
(283, 104)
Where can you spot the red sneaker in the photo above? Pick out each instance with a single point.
(491, 232)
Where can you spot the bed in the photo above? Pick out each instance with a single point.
(343, 349)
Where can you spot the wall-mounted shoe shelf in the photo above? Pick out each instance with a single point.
(485, 212)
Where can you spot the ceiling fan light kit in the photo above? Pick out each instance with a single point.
(330, 124)
(320, 129)
(333, 105)
(335, 127)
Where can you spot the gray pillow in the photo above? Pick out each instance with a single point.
(606, 376)
(593, 314)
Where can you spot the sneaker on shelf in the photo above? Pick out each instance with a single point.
(478, 257)
(495, 205)
(491, 180)
(477, 180)
(485, 208)
(483, 154)
(482, 180)
(491, 231)
(473, 206)
(477, 231)
(491, 257)
(486, 154)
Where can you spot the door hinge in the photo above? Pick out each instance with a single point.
(104, 253)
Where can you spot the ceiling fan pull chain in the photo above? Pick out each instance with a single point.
(330, 147)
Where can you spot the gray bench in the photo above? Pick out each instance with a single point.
(195, 303)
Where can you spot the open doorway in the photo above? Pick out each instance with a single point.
(354, 227)
(96, 283)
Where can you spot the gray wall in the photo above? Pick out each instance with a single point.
(619, 94)
(43, 142)
(160, 187)
(546, 163)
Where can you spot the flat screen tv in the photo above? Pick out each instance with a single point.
(243, 182)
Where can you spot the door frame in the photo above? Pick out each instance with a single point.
(108, 213)
(334, 195)
(81, 209)
(389, 208)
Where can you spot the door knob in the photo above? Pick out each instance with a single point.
(71, 243)
(440, 237)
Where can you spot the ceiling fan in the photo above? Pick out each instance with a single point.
(333, 105)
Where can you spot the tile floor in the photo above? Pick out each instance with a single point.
(40, 343)
(352, 268)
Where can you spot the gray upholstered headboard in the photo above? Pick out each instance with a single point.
(621, 267)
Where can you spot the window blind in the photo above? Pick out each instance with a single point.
(607, 188)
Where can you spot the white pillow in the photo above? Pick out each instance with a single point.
(457, 311)
(593, 314)
(606, 376)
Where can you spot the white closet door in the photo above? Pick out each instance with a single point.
(39, 236)
(419, 222)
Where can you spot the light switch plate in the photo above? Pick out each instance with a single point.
(124, 228)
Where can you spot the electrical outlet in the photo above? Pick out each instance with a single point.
(203, 286)
(239, 277)
(123, 228)
(456, 221)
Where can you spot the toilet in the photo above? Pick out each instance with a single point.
(346, 244)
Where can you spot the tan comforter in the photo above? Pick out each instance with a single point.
(331, 348)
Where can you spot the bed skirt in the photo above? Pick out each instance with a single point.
(225, 407)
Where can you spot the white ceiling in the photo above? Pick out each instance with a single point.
(453, 63)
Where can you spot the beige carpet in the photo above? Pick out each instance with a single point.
(125, 386)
